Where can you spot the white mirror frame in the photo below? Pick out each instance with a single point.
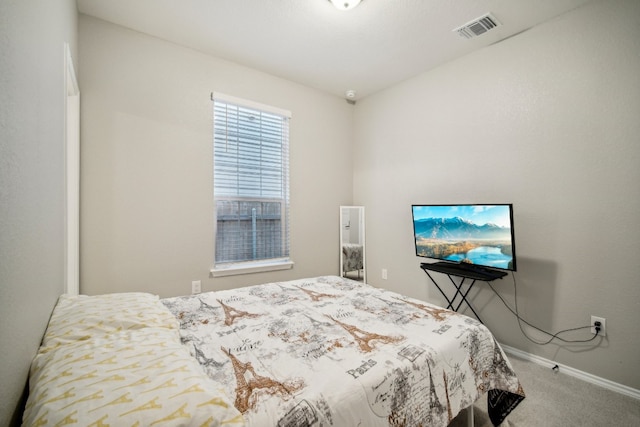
(351, 216)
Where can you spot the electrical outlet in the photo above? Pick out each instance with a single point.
(384, 274)
(603, 329)
(196, 287)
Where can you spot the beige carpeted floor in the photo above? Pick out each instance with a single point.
(558, 400)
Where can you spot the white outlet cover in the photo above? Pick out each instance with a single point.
(603, 327)
(196, 286)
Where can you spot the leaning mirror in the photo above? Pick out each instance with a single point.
(352, 247)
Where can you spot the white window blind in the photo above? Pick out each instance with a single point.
(250, 183)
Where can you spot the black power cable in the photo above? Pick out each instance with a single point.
(521, 320)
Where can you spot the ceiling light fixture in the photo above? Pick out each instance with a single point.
(345, 4)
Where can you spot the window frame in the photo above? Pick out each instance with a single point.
(221, 269)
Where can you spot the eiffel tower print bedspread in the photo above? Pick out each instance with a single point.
(329, 351)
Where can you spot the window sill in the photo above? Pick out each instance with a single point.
(249, 268)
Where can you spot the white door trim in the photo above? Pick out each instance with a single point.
(72, 176)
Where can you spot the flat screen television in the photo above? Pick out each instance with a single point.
(478, 235)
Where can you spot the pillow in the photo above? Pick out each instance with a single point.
(81, 317)
(141, 377)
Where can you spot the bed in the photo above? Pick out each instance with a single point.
(117, 360)
(352, 257)
(323, 351)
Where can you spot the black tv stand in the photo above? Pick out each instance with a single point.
(465, 271)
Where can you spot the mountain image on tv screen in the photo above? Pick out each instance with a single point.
(473, 234)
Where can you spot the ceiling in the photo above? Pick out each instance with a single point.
(366, 49)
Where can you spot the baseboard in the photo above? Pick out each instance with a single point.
(584, 376)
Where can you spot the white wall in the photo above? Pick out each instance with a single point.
(546, 120)
(146, 164)
(32, 186)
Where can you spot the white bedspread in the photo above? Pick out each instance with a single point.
(333, 352)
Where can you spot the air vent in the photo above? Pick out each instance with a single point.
(478, 26)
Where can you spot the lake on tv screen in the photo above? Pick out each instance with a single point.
(484, 255)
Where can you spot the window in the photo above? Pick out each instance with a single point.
(250, 186)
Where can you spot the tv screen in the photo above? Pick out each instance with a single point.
(481, 235)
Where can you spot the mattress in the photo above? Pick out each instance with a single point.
(352, 257)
